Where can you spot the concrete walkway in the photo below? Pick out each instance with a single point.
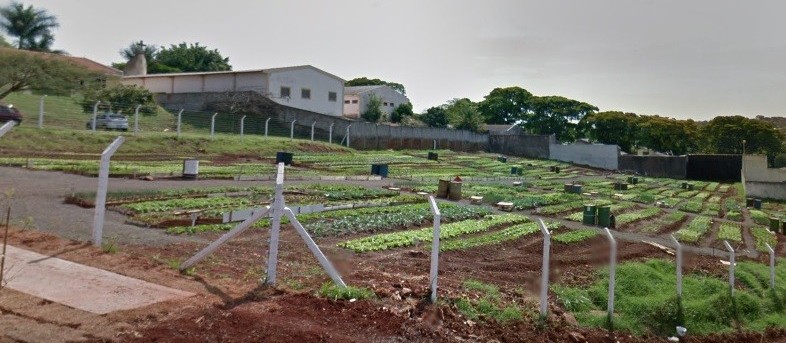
(86, 288)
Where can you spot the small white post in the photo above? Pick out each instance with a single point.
(41, 112)
(678, 252)
(292, 129)
(103, 181)
(312, 130)
(330, 133)
(772, 265)
(612, 272)
(95, 113)
(435, 144)
(731, 266)
(179, 120)
(266, 125)
(434, 273)
(348, 126)
(277, 211)
(136, 119)
(213, 125)
(242, 126)
(7, 127)
(544, 278)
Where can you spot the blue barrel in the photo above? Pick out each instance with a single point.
(284, 157)
(757, 204)
(513, 170)
(382, 170)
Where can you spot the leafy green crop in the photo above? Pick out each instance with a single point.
(695, 229)
(574, 236)
(730, 231)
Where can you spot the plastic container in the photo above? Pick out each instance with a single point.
(576, 189)
(454, 192)
(433, 156)
(382, 170)
(775, 225)
(375, 169)
(514, 170)
(590, 215)
(748, 202)
(604, 216)
(443, 188)
(284, 157)
(757, 204)
(568, 188)
(190, 169)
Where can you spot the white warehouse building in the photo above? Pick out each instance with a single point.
(356, 99)
(303, 87)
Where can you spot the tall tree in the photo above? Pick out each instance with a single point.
(20, 71)
(669, 135)
(506, 105)
(373, 113)
(612, 128)
(435, 117)
(31, 27)
(724, 135)
(364, 81)
(151, 54)
(556, 115)
(463, 114)
(192, 58)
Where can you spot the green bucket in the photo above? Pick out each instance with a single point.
(604, 216)
(590, 215)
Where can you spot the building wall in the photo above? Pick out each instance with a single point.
(532, 146)
(656, 166)
(593, 155)
(760, 181)
(188, 84)
(219, 83)
(351, 106)
(319, 84)
(389, 98)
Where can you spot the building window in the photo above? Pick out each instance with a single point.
(305, 93)
(285, 92)
(346, 101)
(391, 104)
(332, 96)
(354, 101)
(384, 104)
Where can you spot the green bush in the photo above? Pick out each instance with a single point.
(120, 98)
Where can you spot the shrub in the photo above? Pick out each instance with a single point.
(372, 113)
(332, 291)
(120, 98)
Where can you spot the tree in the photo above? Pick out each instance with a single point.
(120, 98)
(556, 115)
(724, 135)
(668, 135)
(364, 81)
(4, 43)
(21, 70)
(612, 128)
(372, 113)
(400, 112)
(192, 58)
(435, 117)
(32, 27)
(464, 115)
(506, 105)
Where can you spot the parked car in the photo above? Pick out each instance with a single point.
(109, 121)
(10, 113)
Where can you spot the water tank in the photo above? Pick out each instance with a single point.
(604, 216)
(190, 169)
(284, 157)
(590, 215)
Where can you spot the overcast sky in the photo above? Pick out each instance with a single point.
(685, 59)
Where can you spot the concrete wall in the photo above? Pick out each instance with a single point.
(593, 155)
(320, 85)
(533, 146)
(351, 106)
(760, 181)
(657, 166)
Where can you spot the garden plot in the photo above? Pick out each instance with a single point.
(666, 223)
(694, 230)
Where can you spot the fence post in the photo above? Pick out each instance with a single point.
(277, 211)
(678, 252)
(179, 119)
(612, 273)
(41, 112)
(103, 181)
(213, 125)
(348, 126)
(544, 278)
(242, 126)
(312, 130)
(292, 129)
(772, 265)
(136, 119)
(330, 133)
(7, 127)
(434, 273)
(435, 144)
(95, 113)
(266, 122)
(731, 266)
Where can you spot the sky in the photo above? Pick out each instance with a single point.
(684, 59)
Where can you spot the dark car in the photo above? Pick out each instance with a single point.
(10, 113)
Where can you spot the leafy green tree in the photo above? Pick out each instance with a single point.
(31, 27)
(724, 135)
(435, 117)
(556, 115)
(4, 43)
(21, 71)
(192, 58)
(506, 105)
(373, 113)
(120, 98)
(400, 112)
(668, 135)
(612, 128)
(364, 81)
(464, 115)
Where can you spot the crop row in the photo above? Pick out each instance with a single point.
(665, 221)
(762, 236)
(692, 206)
(695, 229)
(574, 236)
(637, 215)
(411, 237)
(760, 217)
(730, 231)
(496, 237)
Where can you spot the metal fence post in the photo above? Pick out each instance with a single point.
(266, 124)
(312, 130)
(103, 181)
(41, 112)
(7, 127)
(95, 114)
(136, 119)
(292, 129)
(213, 125)
(678, 252)
(731, 266)
(348, 126)
(772, 265)
(242, 126)
(434, 274)
(330, 133)
(612, 273)
(544, 278)
(179, 120)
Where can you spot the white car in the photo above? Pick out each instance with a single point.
(109, 121)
